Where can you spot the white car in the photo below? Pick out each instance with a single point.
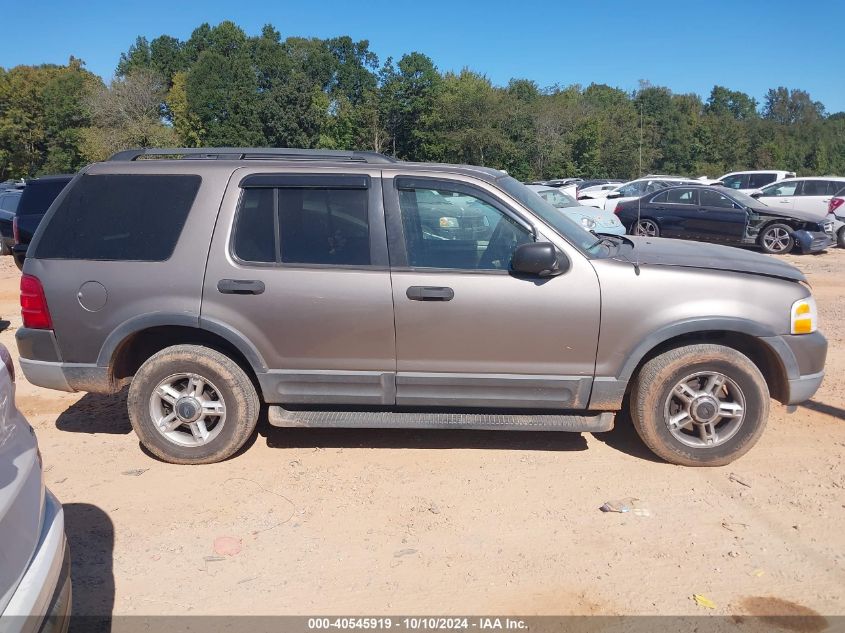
(35, 585)
(609, 199)
(748, 181)
(811, 194)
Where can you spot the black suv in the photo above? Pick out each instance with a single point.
(36, 199)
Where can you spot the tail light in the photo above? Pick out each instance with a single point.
(834, 204)
(618, 208)
(6, 358)
(34, 309)
(15, 231)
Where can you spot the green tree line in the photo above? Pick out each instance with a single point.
(222, 87)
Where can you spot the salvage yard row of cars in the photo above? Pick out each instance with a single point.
(782, 214)
(349, 289)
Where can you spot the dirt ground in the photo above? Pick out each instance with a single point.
(451, 522)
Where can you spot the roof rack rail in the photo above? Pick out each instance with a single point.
(251, 153)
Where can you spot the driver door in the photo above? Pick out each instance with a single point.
(468, 332)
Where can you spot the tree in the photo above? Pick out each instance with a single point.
(791, 106)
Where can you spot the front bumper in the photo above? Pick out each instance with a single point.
(42, 601)
(812, 241)
(802, 357)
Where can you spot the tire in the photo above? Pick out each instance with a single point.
(646, 227)
(655, 402)
(227, 394)
(840, 238)
(776, 239)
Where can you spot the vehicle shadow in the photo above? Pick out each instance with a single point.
(4, 325)
(820, 407)
(96, 413)
(624, 439)
(90, 534)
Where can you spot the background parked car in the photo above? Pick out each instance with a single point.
(804, 194)
(748, 181)
(717, 214)
(592, 219)
(836, 206)
(609, 200)
(35, 571)
(36, 199)
(9, 200)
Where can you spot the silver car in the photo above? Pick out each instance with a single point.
(348, 289)
(35, 585)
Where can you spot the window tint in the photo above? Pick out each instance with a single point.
(711, 198)
(682, 196)
(9, 202)
(445, 229)
(814, 188)
(315, 226)
(38, 195)
(755, 181)
(834, 187)
(120, 217)
(255, 230)
(660, 197)
(781, 189)
(739, 181)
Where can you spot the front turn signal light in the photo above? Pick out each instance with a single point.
(804, 317)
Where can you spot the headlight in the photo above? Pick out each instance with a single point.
(804, 316)
(588, 223)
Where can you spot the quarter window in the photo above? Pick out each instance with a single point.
(303, 225)
(450, 229)
(739, 181)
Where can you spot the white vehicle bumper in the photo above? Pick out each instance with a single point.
(41, 603)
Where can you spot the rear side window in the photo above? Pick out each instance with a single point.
(755, 181)
(303, 225)
(682, 196)
(39, 195)
(738, 181)
(120, 217)
(9, 202)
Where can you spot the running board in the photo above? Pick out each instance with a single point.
(588, 423)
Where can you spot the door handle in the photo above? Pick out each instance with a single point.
(430, 293)
(240, 286)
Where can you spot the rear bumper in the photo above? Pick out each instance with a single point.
(812, 241)
(42, 601)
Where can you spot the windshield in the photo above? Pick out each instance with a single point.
(557, 198)
(560, 222)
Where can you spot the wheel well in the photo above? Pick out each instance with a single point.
(760, 354)
(134, 350)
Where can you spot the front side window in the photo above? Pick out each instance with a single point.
(738, 181)
(307, 225)
(449, 229)
(781, 189)
(755, 181)
(682, 196)
(710, 198)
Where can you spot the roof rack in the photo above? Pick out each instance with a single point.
(250, 153)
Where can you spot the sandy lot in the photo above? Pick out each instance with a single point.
(451, 522)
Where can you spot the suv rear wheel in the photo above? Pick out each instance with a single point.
(700, 405)
(190, 404)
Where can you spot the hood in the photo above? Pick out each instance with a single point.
(798, 214)
(665, 252)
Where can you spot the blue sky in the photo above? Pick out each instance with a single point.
(748, 45)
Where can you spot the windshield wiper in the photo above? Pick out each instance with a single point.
(607, 238)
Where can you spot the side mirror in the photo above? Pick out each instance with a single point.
(756, 194)
(539, 258)
(614, 194)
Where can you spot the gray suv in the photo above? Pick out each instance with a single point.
(346, 289)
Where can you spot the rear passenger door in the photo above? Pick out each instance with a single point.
(682, 205)
(298, 268)
(815, 196)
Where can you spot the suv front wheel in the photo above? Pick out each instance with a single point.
(700, 405)
(190, 404)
